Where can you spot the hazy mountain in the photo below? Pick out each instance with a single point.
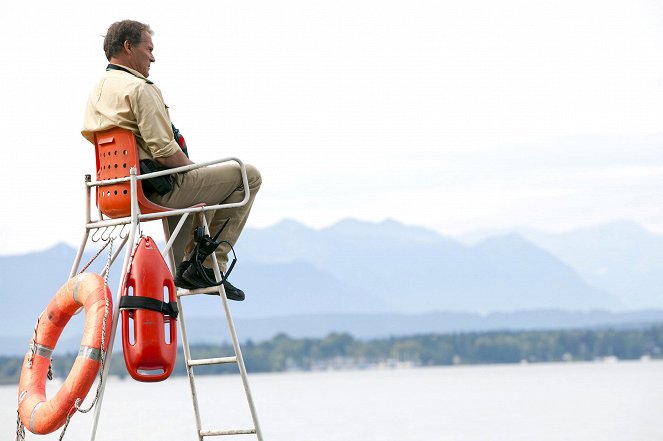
(349, 268)
(412, 269)
(622, 258)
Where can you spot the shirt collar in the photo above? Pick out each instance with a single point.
(113, 66)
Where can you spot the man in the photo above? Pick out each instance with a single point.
(124, 97)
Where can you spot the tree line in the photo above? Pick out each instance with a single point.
(342, 351)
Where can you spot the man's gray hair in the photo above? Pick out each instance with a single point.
(121, 31)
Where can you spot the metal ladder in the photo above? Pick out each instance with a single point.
(134, 220)
(237, 358)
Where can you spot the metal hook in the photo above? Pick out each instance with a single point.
(94, 237)
(109, 234)
(122, 231)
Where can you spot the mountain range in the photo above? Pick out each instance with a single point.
(412, 270)
(622, 258)
(361, 277)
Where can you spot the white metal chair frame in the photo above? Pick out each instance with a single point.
(134, 221)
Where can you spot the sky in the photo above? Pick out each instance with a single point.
(456, 116)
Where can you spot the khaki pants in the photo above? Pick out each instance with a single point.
(212, 186)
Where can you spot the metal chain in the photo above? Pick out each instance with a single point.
(77, 403)
(66, 424)
(20, 428)
(103, 332)
(96, 255)
(107, 269)
(33, 346)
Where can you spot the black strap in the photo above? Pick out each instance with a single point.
(176, 132)
(141, 302)
(205, 245)
(116, 67)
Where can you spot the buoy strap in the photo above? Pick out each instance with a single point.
(32, 416)
(90, 352)
(141, 302)
(41, 350)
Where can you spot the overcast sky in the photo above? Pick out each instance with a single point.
(454, 115)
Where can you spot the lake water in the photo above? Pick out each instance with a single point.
(618, 401)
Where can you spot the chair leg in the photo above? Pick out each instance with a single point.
(236, 346)
(178, 229)
(79, 254)
(111, 339)
(175, 240)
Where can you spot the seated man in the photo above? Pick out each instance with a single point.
(124, 97)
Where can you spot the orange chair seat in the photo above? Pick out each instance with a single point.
(116, 153)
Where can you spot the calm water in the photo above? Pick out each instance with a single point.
(586, 402)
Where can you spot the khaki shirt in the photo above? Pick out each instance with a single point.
(132, 102)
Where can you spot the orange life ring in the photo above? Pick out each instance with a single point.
(38, 414)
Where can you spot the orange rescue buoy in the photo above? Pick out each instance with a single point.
(38, 414)
(149, 312)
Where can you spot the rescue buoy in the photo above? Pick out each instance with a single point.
(149, 311)
(38, 414)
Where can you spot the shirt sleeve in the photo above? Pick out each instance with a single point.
(154, 122)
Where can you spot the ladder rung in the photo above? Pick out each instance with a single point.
(206, 361)
(227, 432)
(192, 292)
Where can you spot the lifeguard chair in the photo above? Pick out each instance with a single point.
(121, 201)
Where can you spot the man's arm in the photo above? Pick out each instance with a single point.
(155, 127)
(177, 159)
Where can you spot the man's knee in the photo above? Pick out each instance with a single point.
(253, 176)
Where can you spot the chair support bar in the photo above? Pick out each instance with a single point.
(173, 212)
(170, 171)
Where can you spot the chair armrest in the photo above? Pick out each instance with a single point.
(185, 168)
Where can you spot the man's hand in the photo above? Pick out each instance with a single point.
(177, 159)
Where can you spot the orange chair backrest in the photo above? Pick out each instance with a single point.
(116, 153)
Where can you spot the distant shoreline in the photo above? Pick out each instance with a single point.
(340, 351)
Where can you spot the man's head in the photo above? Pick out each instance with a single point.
(129, 43)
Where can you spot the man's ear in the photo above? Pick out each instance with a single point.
(127, 46)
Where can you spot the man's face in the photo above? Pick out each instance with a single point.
(141, 55)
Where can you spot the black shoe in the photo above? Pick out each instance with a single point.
(188, 277)
(179, 276)
(233, 293)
